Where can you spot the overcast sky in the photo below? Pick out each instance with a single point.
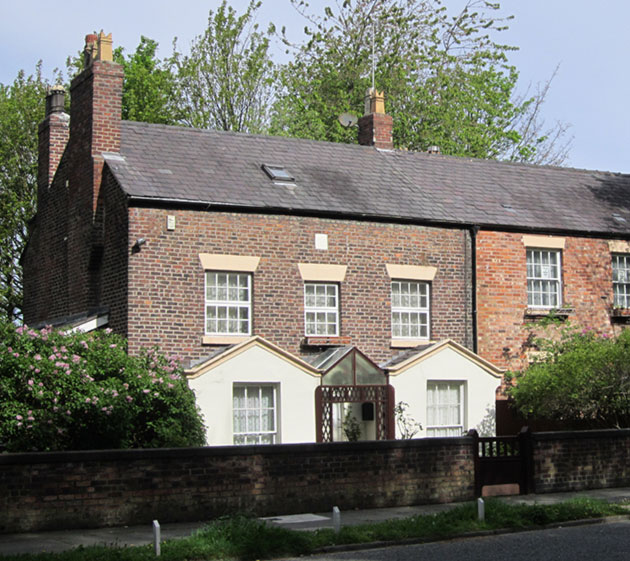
(589, 42)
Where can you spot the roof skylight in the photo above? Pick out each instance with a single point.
(277, 173)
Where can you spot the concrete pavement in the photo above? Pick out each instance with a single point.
(55, 541)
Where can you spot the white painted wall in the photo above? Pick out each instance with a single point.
(295, 395)
(410, 386)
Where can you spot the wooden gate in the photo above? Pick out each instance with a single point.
(503, 459)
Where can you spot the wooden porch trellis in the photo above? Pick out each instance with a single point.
(381, 396)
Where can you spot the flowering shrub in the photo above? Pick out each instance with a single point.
(77, 391)
(582, 379)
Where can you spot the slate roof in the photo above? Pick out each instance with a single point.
(188, 165)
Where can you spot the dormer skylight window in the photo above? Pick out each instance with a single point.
(278, 173)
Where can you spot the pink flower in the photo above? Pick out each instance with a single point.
(112, 346)
(76, 358)
(30, 382)
(19, 424)
(37, 356)
(19, 417)
(129, 398)
(146, 391)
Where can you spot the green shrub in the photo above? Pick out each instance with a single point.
(77, 391)
(583, 379)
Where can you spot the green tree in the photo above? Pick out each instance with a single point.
(226, 82)
(582, 379)
(446, 81)
(148, 86)
(22, 106)
(73, 391)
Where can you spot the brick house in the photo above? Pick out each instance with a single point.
(343, 266)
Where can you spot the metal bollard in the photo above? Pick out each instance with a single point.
(156, 537)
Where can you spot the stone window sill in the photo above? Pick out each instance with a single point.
(407, 343)
(224, 339)
(325, 341)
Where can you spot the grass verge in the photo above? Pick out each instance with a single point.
(243, 538)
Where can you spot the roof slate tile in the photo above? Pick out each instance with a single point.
(182, 164)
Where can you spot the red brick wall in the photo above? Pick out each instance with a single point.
(109, 281)
(572, 461)
(166, 280)
(502, 292)
(94, 489)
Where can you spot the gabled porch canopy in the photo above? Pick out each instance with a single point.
(348, 366)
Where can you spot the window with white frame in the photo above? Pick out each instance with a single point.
(321, 309)
(445, 408)
(621, 280)
(410, 309)
(254, 414)
(228, 303)
(544, 286)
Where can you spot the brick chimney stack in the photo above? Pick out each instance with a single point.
(95, 116)
(95, 125)
(375, 127)
(53, 137)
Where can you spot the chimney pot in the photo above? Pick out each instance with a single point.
(104, 47)
(89, 51)
(374, 101)
(55, 100)
(434, 150)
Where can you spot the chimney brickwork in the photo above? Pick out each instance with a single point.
(53, 137)
(376, 127)
(69, 185)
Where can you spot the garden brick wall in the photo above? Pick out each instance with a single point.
(42, 491)
(573, 461)
(502, 293)
(166, 279)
